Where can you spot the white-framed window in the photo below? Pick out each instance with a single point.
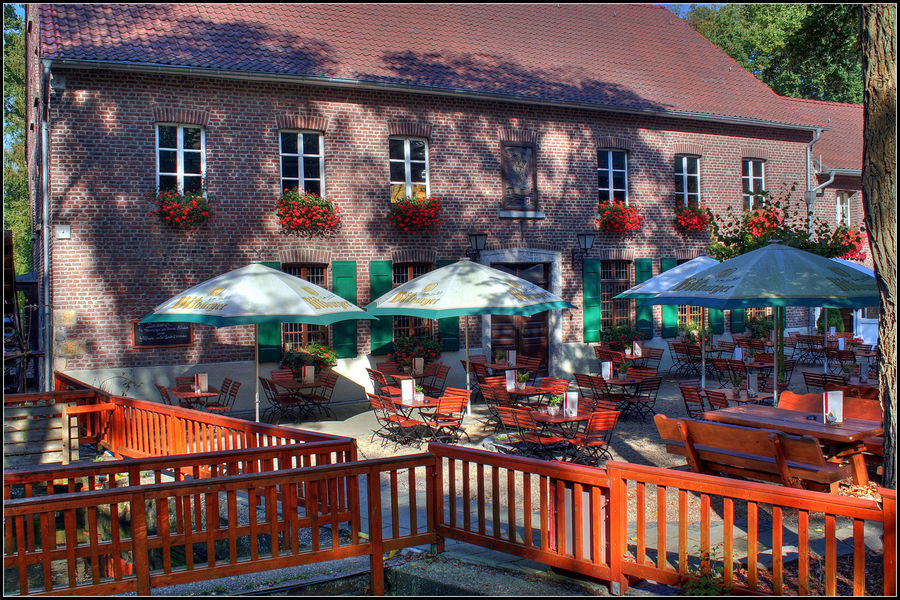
(842, 208)
(180, 157)
(302, 161)
(612, 176)
(408, 158)
(753, 179)
(687, 180)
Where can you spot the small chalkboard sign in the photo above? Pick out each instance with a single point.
(161, 335)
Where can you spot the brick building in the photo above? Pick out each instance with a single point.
(363, 102)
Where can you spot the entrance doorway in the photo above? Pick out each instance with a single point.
(526, 335)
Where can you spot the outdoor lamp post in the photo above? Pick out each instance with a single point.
(476, 245)
(585, 243)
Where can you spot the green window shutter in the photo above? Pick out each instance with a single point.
(669, 311)
(643, 270)
(448, 329)
(381, 280)
(716, 321)
(343, 275)
(591, 308)
(738, 324)
(269, 334)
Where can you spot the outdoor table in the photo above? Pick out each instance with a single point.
(628, 384)
(844, 440)
(561, 423)
(495, 367)
(195, 398)
(521, 395)
(406, 406)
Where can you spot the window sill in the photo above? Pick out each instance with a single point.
(521, 214)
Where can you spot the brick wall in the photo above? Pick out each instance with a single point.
(118, 264)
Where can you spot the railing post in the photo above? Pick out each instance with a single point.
(618, 510)
(436, 510)
(889, 541)
(141, 549)
(376, 556)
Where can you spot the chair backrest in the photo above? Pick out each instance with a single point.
(387, 366)
(583, 381)
(639, 372)
(164, 394)
(813, 380)
(223, 389)
(648, 387)
(528, 363)
(379, 381)
(693, 402)
(268, 389)
(717, 399)
(232, 393)
(601, 424)
(184, 383)
(507, 417)
(736, 367)
(553, 385)
(453, 402)
(805, 402)
(281, 374)
(496, 394)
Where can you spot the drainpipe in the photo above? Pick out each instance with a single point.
(810, 198)
(45, 228)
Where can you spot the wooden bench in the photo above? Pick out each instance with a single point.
(759, 454)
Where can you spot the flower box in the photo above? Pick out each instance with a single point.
(182, 210)
(692, 218)
(306, 214)
(615, 217)
(416, 214)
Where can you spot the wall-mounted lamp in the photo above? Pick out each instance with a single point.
(585, 243)
(476, 245)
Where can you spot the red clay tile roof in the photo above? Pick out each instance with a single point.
(841, 146)
(629, 57)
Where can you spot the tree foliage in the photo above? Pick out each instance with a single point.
(15, 173)
(737, 232)
(799, 50)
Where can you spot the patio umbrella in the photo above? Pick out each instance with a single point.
(252, 295)
(774, 275)
(466, 288)
(664, 281)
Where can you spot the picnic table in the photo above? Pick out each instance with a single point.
(844, 440)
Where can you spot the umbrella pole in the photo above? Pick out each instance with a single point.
(256, 362)
(702, 348)
(468, 387)
(775, 353)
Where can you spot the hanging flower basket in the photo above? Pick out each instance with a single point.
(618, 218)
(692, 218)
(306, 214)
(184, 211)
(416, 214)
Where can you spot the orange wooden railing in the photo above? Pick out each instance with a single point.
(554, 513)
(190, 531)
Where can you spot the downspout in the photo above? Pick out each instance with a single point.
(810, 198)
(45, 227)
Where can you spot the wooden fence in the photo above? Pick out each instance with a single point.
(241, 509)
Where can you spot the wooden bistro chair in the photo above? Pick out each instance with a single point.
(164, 394)
(225, 402)
(720, 370)
(592, 446)
(643, 402)
(381, 386)
(435, 379)
(184, 383)
(553, 386)
(650, 359)
(536, 443)
(445, 423)
(393, 426)
(282, 403)
(718, 399)
(320, 398)
(693, 401)
(167, 398)
(495, 396)
(532, 364)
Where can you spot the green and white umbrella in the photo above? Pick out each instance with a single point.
(466, 288)
(774, 275)
(252, 295)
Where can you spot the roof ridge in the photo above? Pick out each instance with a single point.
(829, 102)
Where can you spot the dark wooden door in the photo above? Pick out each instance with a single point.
(525, 335)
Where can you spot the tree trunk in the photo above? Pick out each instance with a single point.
(878, 33)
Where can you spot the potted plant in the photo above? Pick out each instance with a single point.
(736, 382)
(623, 369)
(415, 214)
(419, 394)
(186, 210)
(406, 348)
(692, 218)
(615, 217)
(318, 355)
(553, 405)
(500, 357)
(522, 378)
(306, 214)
